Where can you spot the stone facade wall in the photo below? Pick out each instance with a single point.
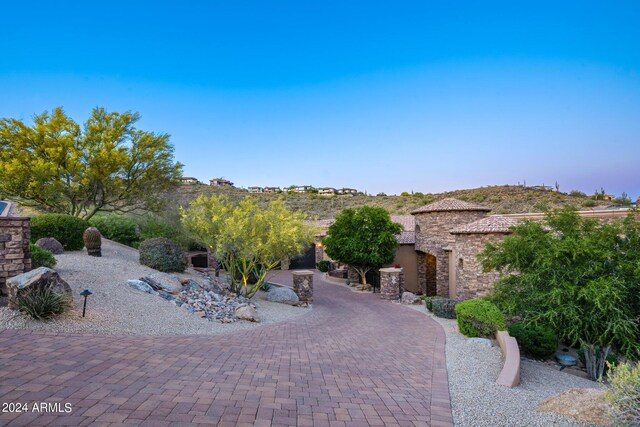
(432, 236)
(471, 279)
(15, 256)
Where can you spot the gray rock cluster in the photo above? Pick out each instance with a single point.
(208, 300)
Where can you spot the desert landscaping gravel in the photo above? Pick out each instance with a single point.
(477, 400)
(116, 309)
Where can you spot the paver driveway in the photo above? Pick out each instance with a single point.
(354, 360)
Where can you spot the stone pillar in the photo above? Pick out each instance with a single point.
(390, 286)
(303, 285)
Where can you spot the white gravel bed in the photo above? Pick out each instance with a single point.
(477, 400)
(116, 309)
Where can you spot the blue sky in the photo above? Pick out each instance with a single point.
(380, 96)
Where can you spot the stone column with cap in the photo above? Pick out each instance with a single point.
(303, 285)
(390, 283)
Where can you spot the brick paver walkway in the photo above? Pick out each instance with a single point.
(354, 360)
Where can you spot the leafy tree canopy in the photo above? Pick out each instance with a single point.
(579, 276)
(248, 239)
(105, 165)
(364, 238)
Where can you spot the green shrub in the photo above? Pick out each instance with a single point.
(42, 302)
(538, 342)
(66, 229)
(624, 393)
(323, 266)
(40, 257)
(119, 228)
(162, 254)
(589, 203)
(444, 307)
(152, 226)
(479, 318)
(428, 301)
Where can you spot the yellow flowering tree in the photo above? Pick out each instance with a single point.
(248, 239)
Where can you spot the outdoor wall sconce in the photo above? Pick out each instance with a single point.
(85, 294)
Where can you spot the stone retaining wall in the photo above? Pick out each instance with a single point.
(15, 256)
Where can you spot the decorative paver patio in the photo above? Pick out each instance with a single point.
(354, 360)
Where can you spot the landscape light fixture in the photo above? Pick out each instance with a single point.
(85, 294)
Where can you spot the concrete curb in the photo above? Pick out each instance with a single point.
(510, 374)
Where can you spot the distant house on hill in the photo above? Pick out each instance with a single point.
(542, 187)
(302, 188)
(327, 191)
(272, 189)
(256, 190)
(220, 182)
(347, 191)
(188, 180)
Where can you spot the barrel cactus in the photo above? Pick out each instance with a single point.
(92, 241)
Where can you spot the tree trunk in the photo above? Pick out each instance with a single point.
(363, 275)
(595, 358)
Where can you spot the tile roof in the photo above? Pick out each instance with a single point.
(487, 225)
(450, 205)
(407, 238)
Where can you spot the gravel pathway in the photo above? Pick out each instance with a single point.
(476, 399)
(115, 308)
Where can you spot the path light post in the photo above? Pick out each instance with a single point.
(85, 294)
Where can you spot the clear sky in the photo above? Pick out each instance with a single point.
(380, 96)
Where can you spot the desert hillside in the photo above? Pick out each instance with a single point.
(501, 199)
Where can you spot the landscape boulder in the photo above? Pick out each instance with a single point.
(140, 286)
(283, 295)
(409, 298)
(246, 312)
(34, 279)
(163, 281)
(50, 244)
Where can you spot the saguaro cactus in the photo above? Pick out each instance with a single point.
(92, 241)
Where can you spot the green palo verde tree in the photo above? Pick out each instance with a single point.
(581, 277)
(106, 165)
(249, 240)
(364, 238)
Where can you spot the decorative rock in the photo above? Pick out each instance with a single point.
(390, 283)
(283, 295)
(50, 244)
(164, 281)
(141, 286)
(34, 279)
(481, 341)
(246, 312)
(410, 298)
(303, 285)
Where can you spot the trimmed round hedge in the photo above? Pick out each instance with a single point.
(538, 342)
(479, 318)
(162, 254)
(66, 229)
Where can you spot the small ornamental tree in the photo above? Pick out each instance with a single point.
(364, 238)
(249, 240)
(581, 277)
(105, 165)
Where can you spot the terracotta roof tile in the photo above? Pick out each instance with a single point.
(490, 224)
(450, 205)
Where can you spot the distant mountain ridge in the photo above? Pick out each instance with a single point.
(502, 199)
